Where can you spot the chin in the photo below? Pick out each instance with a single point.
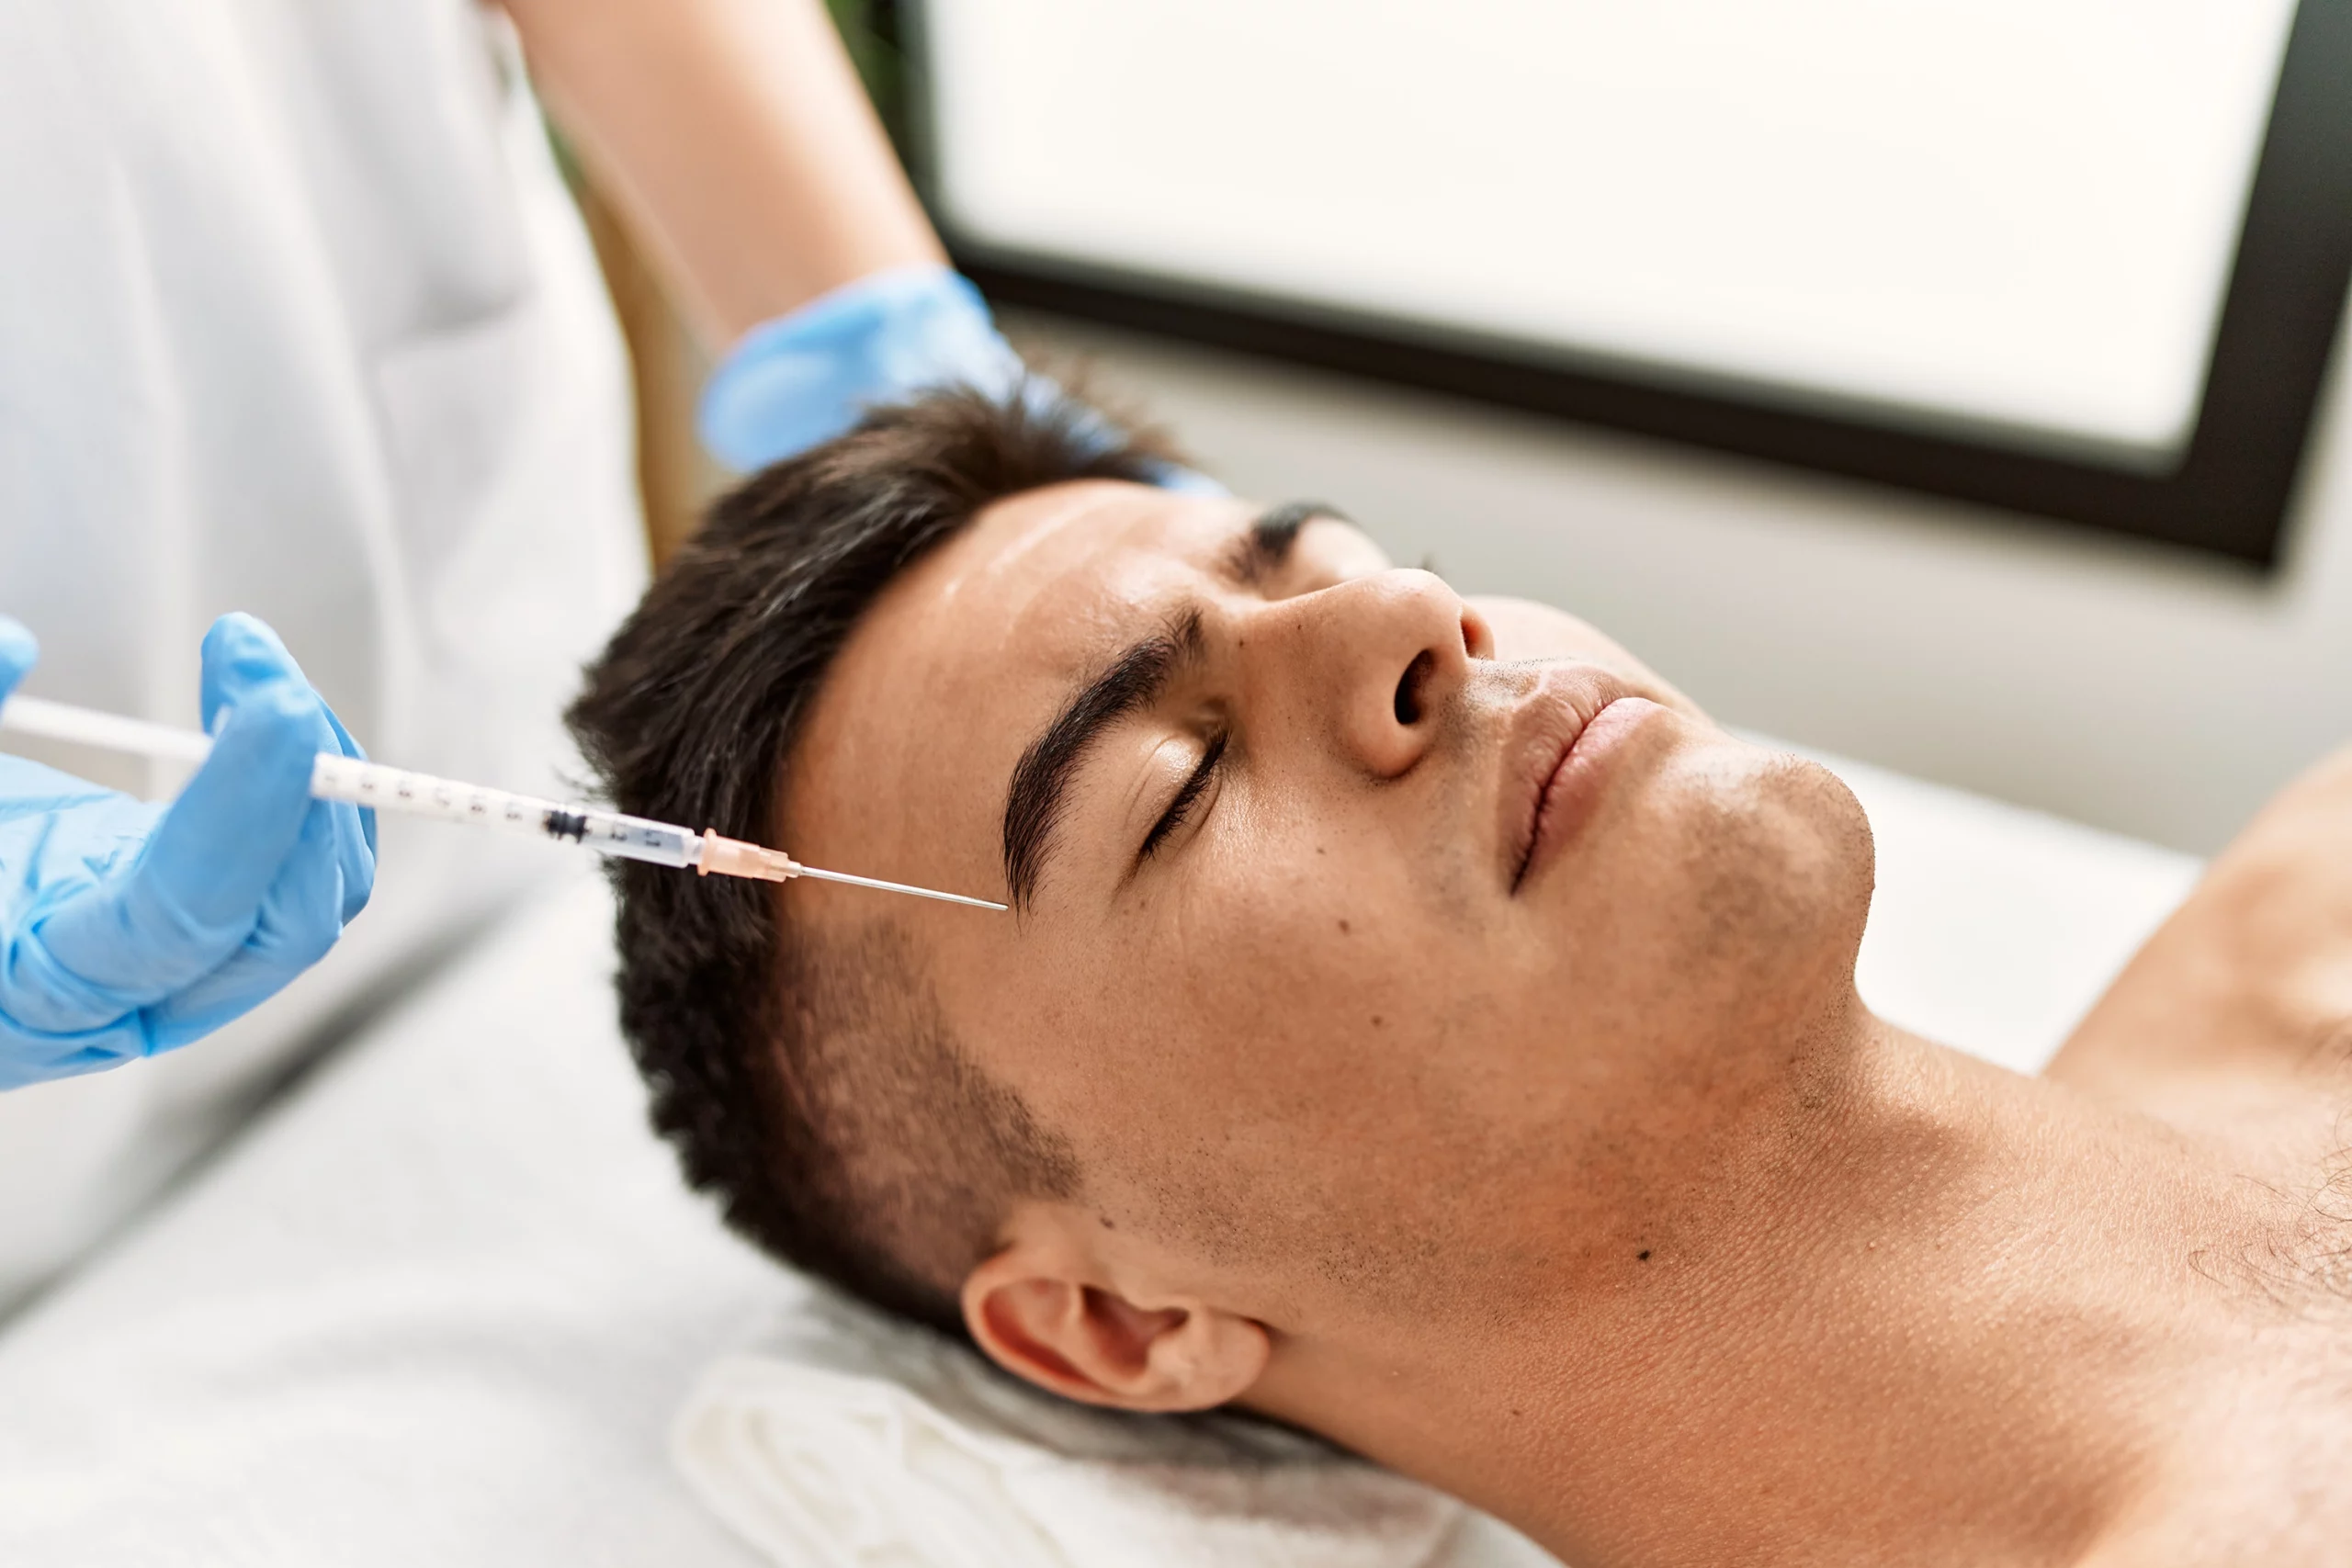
(1777, 869)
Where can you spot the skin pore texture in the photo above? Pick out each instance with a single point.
(1580, 1184)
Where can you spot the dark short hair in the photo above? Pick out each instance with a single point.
(808, 1079)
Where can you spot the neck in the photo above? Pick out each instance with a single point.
(1924, 1301)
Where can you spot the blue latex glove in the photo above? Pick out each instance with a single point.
(126, 928)
(808, 376)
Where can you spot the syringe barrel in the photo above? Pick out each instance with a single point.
(421, 794)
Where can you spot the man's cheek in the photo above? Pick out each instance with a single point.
(1307, 1003)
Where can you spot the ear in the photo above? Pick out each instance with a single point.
(1049, 1309)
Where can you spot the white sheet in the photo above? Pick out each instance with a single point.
(438, 1309)
(1995, 928)
(840, 1440)
(441, 1306)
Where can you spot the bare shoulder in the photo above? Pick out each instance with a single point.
(2233, 1025)
(2240, 1007)
(2288, 876)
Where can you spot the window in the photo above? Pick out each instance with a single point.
(2077, 257)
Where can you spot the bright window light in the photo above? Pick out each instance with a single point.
(2015, 214)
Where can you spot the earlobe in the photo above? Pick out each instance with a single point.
(1041, 1319)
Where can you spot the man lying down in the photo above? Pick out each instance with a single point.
(1418, 1023)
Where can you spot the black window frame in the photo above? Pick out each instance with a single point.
(2228, 494)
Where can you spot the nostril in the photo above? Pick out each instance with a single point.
(1477, 638)
(1408, 690)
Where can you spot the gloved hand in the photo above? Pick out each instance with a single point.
(808, 376)
(126, 928)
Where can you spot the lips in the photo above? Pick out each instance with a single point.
(1545, 797)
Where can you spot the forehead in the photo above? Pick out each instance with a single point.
(901, 771)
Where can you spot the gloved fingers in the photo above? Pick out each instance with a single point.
(27, 1058)
(195, 892)
(367, 814)
(354, 838)
(806, 377)
(355, 852)
(87, 1015)
(305, 910)
(1047, 400)
(300, 920)
(809, 375)
(1182, 480)
(160, 928)
(18, 652)
(54, 861)
(241, 651)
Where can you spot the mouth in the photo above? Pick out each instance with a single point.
(1557, 754)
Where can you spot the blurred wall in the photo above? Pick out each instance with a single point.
(2133, 688)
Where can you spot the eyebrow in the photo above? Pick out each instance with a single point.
(1265, 545)
(1041, 780)
(1032, 803)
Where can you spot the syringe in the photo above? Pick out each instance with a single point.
(337, 777)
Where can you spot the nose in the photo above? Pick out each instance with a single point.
(1370, 663)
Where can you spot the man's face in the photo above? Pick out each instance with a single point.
(1357, 955)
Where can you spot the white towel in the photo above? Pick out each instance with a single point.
(850, 1441)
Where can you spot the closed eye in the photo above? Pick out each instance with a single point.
(1204, 772)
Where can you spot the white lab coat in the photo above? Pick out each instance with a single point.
(296, 317)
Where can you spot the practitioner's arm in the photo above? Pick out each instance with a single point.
(736, 136)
